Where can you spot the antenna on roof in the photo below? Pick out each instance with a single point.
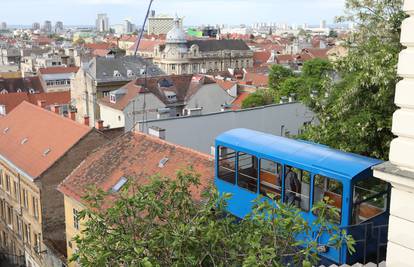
(143, 27)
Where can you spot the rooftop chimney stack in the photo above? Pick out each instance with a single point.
(99, 125)
(56, 109)
(157, 132)
(86, 120)
(41, 103)
(73, 115)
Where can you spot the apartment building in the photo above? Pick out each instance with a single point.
(38, 149)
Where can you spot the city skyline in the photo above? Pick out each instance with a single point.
(232, 12)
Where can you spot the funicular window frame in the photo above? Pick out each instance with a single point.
(230, 159)
(266, 174)
(298, 196)
(375, 196)
(248, 180)
(329, 186)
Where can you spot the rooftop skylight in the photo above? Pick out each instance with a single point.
(122, 181)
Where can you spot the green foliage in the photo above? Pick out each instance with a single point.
(278, 74)
(356, 113)
(159, 224)
(259, 98)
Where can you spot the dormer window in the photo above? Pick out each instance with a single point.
(142, 71)
(4, 91)
(19, 90)
(32, 91)
(112, 98)
(130, 73)
(117, 73)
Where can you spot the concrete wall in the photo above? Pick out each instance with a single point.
(210, 97)
(199, 132)
(134, 111)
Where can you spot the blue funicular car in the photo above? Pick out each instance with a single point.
(249, 163)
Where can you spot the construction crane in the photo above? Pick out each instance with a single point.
(143, 27)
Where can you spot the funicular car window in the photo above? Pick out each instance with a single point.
(247, 175)
(370, 198)
(330, 191)
(297, 187)
(227, 165)
(270, 178)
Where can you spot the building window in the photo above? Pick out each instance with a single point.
(1, 178)
(9, 215)
(35, 207)
(369, 199)
(36, 244)
(173, 66)
(227, 165)
(16, 190)
(19, 224)
(2, 209)
(76, 219)
(270, 178)
(27, 234)
(25, 198)
(297, 187)
(330, 191)
(247, 174)
(8, 183)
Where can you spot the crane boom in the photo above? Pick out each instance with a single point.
(143, 27)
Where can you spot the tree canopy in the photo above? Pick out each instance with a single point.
(356, 112)
(160, 224)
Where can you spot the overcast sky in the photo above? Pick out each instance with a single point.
(83, 12)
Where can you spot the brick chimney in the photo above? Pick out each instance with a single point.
(86, 120)
(41, 103)
(56, 109)
(99, 125)
(73, 115)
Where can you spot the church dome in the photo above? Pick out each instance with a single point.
(176, 35)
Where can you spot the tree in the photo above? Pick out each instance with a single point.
(278, 74)
(356, 112)
(160, 224)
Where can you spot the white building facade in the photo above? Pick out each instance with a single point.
(399, 171)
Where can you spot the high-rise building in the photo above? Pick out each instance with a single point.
(58, 27)
(102, 23)
(3, 26)
(322, 24)
(36, 26)
(128, 26)
(47, 26)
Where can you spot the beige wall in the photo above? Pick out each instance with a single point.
(71, 205)
(19, 237)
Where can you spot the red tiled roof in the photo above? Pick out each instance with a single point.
(12, 100)
(237, 103)
(257, 79)
(317, 52)
(94, 46)
(135, 156)
(56, 70)
(261, 57)
(226, 85)
(49, 137)
(147, 45)
(101, 52)
(132, 90)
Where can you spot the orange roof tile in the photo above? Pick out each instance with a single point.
(135, 156)
(132, 90)
(49, 136)
(237, 103)
(56, 70)
(257, 79)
